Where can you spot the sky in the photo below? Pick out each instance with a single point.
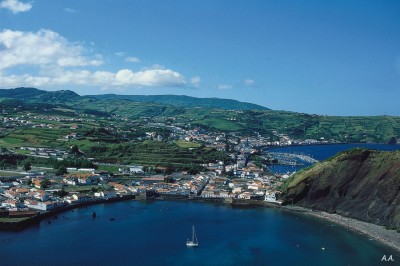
(317, 57)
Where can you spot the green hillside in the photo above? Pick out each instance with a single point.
(378, 129)
(185, 101)
(359, 183)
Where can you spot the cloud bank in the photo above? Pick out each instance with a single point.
(53, 60)
(15, 6)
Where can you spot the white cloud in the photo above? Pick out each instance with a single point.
(248, 82)
(132, 59)
(195, 81)
(150, 77)
(224, 87)
(122, 78)
(15, 6)
(70, 10)
(41, 48)
(51, 60)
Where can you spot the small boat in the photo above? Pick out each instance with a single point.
(193, 242)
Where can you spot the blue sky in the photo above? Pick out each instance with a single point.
(322, 57)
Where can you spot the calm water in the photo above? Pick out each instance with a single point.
(322, 152)
(154, 233)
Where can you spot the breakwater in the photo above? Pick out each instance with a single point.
(29, 221)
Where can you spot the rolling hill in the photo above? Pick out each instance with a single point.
(186, 101)
(230, 116)
(36, 95)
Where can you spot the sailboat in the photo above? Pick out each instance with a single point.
(193, 242)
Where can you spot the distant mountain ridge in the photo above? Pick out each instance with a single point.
(186, 101)
(36, 95)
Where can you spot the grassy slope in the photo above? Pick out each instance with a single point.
(358, 183)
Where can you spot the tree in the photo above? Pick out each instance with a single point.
(75, 149)
(45, 183)
(61, 170)
(27, 166)
(60, 193)
(169, 170)
(393, 141)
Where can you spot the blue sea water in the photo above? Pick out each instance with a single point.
(322, 152)
(155, 233)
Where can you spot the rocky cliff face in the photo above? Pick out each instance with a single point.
(359, 183)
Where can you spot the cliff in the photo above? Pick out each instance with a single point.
(361, 184)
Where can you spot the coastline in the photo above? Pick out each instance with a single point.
(389, 238)
(21, 225)
(386, 237)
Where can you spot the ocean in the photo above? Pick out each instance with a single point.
(155, 233)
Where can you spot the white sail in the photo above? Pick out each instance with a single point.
(193, 242)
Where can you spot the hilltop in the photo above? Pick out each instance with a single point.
(359, 183)
(36, 95)
(212, 114)
(186, 101)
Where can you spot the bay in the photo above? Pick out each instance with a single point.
(155, 233)
(321, 152)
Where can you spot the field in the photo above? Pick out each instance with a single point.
(187, 144)
(220, 124)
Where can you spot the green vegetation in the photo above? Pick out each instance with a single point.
(156, 153)
(220, 124)
(185, 101)
(109, 168)
(85, 188)
(187, 144)
(246, 119)
(351, 183)
(45, 183)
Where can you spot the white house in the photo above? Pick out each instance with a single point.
(42, 206)
(71, 180)
(105, 194)
(270, 196)
(87, 179)
(136, 169)
(80, 198)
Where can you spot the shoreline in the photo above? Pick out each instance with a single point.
(23, 224)
(384, 236)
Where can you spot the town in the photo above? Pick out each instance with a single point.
(35, 190)
(237, 171)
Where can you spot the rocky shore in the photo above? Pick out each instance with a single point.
(390, 238)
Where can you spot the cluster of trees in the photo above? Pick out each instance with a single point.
(10, 161)
(72, 162)
(60, 166)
